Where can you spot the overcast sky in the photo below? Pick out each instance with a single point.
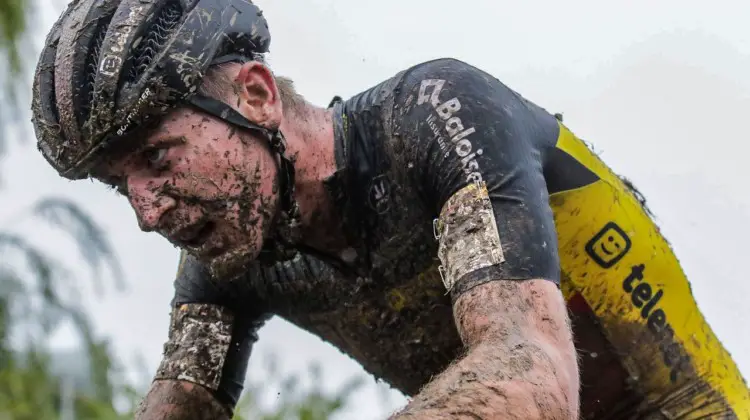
(661, 89)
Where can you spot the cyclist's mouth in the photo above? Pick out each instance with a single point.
(195, 237)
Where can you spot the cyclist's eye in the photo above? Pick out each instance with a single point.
(155, 157)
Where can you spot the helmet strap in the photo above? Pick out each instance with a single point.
(285, 234)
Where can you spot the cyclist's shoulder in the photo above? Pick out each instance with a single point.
(458, 91)
(405, 80)
(434, 75)
(450, 81)
(450, 72)
(441, 65)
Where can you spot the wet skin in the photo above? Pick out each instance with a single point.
(202, 185)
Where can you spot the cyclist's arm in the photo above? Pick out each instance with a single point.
(174, 399)
(519, 365)
(212, 331)
(477, 163)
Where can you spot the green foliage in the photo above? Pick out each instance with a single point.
(25, 390)
(37, 294)
(12, 26)
(29, 392)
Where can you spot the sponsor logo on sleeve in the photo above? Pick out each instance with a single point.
(453, 136)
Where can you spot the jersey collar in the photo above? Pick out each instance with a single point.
(339, 185)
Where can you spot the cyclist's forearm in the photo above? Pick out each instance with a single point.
(520, 363)
(181, 400)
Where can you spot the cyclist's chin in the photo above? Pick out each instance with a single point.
(227, 250)
(231, 263)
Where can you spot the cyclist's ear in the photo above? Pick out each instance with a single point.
(258, 95)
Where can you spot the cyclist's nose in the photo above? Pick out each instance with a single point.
(149, 202)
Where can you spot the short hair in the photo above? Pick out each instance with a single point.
(219, 79)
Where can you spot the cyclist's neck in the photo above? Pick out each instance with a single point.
(310, 143)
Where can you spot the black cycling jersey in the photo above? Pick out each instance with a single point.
(402, 149)
(441, 147)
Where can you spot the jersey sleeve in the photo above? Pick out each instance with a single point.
(478, 152)
(212, 331)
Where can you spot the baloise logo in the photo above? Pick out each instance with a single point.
(608, 246)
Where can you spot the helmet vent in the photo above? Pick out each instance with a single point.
(92, 62)
(154, 39)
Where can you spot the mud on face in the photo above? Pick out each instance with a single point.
(206, 186)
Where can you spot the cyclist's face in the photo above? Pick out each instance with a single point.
(202, 184)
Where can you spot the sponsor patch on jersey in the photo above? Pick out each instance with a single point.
(459, 137)
(468, 235)
(199, 338)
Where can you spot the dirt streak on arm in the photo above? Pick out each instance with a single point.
(520, 361)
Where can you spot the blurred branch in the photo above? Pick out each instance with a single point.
(35, 297)
(38, 293)
(91, 239)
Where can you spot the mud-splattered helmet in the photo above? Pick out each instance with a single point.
(109, 67)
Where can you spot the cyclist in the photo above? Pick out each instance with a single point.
(433, 227)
